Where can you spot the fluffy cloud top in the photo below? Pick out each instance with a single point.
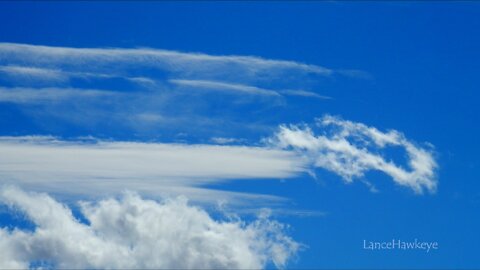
(135, 233)
(350, 149)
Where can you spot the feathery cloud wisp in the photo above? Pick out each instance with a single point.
(350, 149)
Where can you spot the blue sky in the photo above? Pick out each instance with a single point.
(204, 89)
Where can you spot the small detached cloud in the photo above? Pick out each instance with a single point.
(223, 140)
(134, 233)
(351, 149)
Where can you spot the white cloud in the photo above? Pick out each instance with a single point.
(100, 167)
(135, 233)
(350, 149)
(49, 95)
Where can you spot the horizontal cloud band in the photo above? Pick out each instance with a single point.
(101, 167)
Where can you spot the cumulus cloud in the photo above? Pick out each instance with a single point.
(350, 149)
(135, 233)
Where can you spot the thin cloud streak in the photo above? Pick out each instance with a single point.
(33, 76)
(223, 86)
(49, 95)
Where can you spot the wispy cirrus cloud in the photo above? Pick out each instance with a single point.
(194, 65)
(151, 86)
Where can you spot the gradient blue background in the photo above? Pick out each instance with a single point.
(424, 62)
